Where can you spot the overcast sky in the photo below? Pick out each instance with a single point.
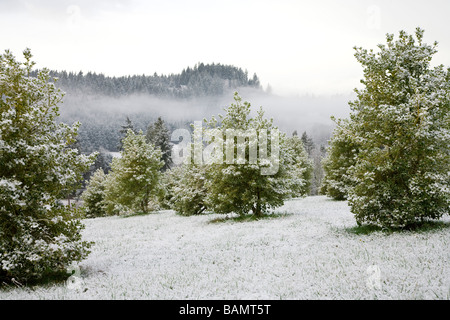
(297, 47)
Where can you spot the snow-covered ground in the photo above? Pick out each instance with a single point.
(309, 253)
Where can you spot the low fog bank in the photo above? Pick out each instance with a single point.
(302, 113)
(102, 116)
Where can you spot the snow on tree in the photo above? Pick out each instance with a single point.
(301, 165)
(340, 158)
(38, 235)
(308, 143)
(169, 179)
(401, 120)
(123, 131)
(185, 185)
(189, 192)
(239, 186)
(94, 195)
(158, 135)
(133, 183)
(317, 156)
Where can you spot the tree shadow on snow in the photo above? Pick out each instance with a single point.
(248, 217)
(49, 279)
(424, 226)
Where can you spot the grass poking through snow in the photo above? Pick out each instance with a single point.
(309, 248)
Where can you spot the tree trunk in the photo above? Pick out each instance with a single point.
(257, 209)
(143, 206)
(145, 200)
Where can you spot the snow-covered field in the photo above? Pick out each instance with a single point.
(309, 253)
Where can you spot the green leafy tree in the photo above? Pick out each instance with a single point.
(401, 120)
(38, 236)
(133, 183)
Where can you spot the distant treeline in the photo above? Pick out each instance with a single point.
(201, 80)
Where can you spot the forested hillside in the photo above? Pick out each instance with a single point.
(201, 80)
(102, 103)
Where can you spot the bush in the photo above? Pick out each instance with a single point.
(341, 156)
(94, 195)
(189, 191)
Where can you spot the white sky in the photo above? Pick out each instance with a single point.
(297, 46)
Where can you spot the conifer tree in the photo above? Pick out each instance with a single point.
(301, 165)
(318, 173)
(133, 183)
(94, 196)
(38, 235)
(341, 156)
(169, 180)
(308, 143)
(124, 130)
(239, 186)
(158, 135)
(401, 121)
(189, 192)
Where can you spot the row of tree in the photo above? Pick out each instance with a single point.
(141, 179)
(390, 159)
(201, 80)
(158, 134)
(101, 102)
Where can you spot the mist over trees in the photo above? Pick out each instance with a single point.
(102, 104)
(201, 80)
(389, 159)
(108, 106)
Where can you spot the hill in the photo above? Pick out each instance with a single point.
(201, 80)
(102, 103)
